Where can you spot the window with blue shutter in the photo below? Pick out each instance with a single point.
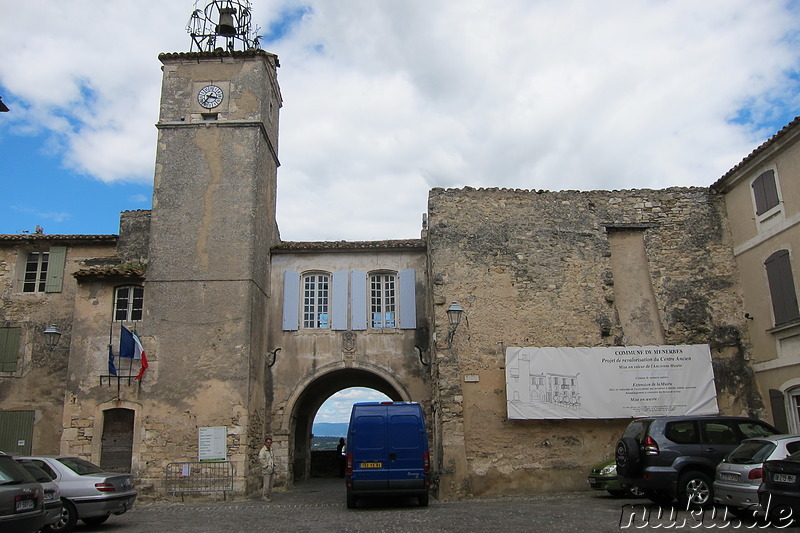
(408, 299)
(358, 300)
(291, 300)
(339, 301)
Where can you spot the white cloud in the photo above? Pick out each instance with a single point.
(338, 406)
(386, 99)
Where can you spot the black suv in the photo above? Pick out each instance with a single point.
(676, 456)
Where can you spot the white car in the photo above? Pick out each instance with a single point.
(87, 492)
(739, 474)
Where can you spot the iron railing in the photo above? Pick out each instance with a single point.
(202, 476)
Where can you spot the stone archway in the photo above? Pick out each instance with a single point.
(311, 396)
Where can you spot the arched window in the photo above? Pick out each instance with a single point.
(128, 303)
(383, 305)
(316, 300)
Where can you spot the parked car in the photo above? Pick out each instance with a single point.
(87, 492)
(740, 473)
(676, 456)
(52, 494)
(603, 476)
(21, 499)
(779, 493)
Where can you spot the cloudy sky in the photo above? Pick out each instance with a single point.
(385, 99)
(337, 407)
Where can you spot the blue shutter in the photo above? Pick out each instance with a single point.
(291, 300)
(358, 300)
(339, 301)
(408, 299)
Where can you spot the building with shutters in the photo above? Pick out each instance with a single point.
(246, 332)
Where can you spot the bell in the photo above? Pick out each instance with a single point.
(226, 24)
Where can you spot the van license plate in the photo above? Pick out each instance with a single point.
(371, 465)
(785, 478)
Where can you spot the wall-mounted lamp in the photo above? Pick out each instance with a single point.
(51, 336)
(454, 317)
(274, 357)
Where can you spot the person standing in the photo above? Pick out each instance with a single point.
(267, 461)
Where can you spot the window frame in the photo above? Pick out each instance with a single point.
(315, 306)
(383, 303)
(130, 307)
(39, 281)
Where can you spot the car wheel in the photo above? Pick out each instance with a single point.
(627, 456)
(423, 499)
(351, 500)
(69, 517)
(695, 490)
(94, 520)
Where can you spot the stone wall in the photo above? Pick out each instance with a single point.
(535, 269)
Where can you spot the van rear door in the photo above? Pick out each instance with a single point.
(407, 445)
(370, 460)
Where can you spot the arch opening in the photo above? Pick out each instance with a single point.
(311, 400)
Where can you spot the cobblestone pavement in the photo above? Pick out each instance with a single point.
(319, 506)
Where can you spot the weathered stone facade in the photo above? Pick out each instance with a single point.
(537, 269)
(223, 318)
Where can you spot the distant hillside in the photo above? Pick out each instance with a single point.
(327, 429)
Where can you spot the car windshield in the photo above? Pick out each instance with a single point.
(38, 474)
(13, 474)
(79, 466)
(751, 452)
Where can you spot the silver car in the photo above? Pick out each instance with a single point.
(52, 494)
(739, 474)
(87, 492)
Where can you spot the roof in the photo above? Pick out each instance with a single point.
(783, 136)
(22, 237)
(219, 53)
(116, 272)
(350, 246)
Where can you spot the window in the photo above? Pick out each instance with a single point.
(128, 303)
(9, 349)
(382, 300)
(316, 300)
(43, 271)
(781, 287)
(36, 272)
(765, 192)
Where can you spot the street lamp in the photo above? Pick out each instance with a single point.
(454, 317)
(52, 336)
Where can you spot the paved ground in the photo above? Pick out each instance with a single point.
(319, 506)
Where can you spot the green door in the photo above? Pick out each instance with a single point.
(16, 432)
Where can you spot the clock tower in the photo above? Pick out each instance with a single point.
(212, 226)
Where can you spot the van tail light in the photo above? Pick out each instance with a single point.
(756, 473)
(426, 462)
(650, 446)
(105, 487)
(348, 469)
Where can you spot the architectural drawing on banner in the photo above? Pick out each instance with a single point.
(549, 387)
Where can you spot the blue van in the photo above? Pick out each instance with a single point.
(387, 451)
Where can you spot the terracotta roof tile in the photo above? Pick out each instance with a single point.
(45, 237)
(766, 144)
(402, 244)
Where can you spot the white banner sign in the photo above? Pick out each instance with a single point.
(609, 382)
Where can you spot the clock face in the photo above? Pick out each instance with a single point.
(210, 96)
